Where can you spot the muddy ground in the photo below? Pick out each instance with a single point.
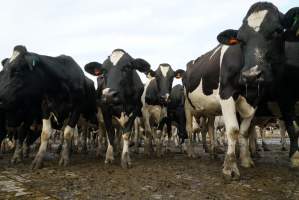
(172, 177)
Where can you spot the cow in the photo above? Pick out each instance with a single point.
(154, 99)
(234, 77)
(121, 90)
(261, 51)
(50, 83)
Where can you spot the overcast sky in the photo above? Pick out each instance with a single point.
(172, 31)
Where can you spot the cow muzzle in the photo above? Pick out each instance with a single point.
(110, 97)
(164, 99)
(251, 76)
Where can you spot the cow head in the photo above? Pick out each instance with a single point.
(164, 77)
(17, 77)
(116, 76)
(261, 38)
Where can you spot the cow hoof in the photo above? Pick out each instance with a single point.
(37, 162)
(230, 169)
(64, 161)
(16, 159)
(283, 149)
(126, 160)
(109, 160)
(295, 160)
(247, 163)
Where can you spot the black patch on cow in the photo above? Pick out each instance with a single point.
(206, 68)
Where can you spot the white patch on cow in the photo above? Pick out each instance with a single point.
(105, 91)
(164, 69)
(256, 19)
(215, 51)
(223, 50)
(126, 144)
(123, 119)
(116, 56)
(205, 104)
(15, 54)
(244, 108)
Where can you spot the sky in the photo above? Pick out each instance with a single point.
(159, 31)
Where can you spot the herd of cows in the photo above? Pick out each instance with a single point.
(252, 74)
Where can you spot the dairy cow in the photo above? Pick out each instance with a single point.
(266, 49)
(234, 77)
(51, 83)
(121, 90)
(154, 99)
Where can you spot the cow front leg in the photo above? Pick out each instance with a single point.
(211, 131)
(66, 148)
(282, 130)
(230, 168)
(159, 143)
(190, 141)
(293, 131)
(125, 156)
(46, 134)
(245, 156)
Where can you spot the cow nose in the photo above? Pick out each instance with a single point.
(251, 75)
(110, 96)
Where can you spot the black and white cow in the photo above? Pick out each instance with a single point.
(230, 80)
(121, 93)
(154, 99)
(50, 83)
(267, 56)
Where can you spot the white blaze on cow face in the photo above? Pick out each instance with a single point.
(256, 19)
(15, 54)
(164, 69)
(116, 56)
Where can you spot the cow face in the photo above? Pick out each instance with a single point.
(17, 77)
(116, 76)
(164, 77)
(261, 38)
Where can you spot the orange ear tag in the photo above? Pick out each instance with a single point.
(233, 41)
(178, 76)
(97, 72)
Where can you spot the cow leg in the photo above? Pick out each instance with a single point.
(159, 144)
(264, 144)
(148, 148)
(252, 141)
(204, 131)
(136, 135)
(20, 137)
(67, 136)
(282, 130)
(292, 129)
(230, 168)
(245, 157)
(45, 135)
(211, 132)
(190, 141)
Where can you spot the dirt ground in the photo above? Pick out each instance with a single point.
(172, 177)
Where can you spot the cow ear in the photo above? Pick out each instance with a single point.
(150, 74)
(291, 22)
(3, 62)
(32, 60)
(94, 68)
(179, 73)
(141, 65)
(228, 37)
